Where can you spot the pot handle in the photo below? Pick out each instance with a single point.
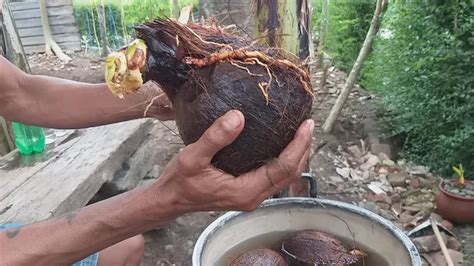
(313, 185)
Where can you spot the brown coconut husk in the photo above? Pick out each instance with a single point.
(312, 247)
(263, 257)
(206, 72)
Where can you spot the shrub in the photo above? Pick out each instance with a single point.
(425, 73)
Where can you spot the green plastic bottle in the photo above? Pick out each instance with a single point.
(29, 139)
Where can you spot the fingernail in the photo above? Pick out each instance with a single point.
(310, 125)
(232, 120)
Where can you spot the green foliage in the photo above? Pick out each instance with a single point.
(348, 25)
(424, 70)
(119, 29)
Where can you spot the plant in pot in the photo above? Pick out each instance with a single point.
(455, 199)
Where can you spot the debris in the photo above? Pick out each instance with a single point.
(442, 242)
(437, 258)
(447, 224)
(354, 149)
(378, 148)
(376, 188)
(396, 198)
(344, 172)
(372, 161)
(382, 156)
(397, 179)
(371, 206)
(388, 162)
(336, 179)
(453, 243)
(415, 183)
(418, 170)
(426, 244)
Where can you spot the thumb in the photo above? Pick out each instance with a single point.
(222, 133)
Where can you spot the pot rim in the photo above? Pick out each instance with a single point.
(455, 196)
(307, 203)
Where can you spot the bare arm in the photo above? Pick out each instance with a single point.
(189, 183)
(59, 103)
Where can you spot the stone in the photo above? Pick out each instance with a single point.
(336, 179)
(418, 170)
(169, 247)
(396, 198)
(372, 161)
(381, 148)
(437, 217)
(399, 189)
(429, 243)
(344, 172)
(397, 179)
(406, 218)
(388, 162)
(387, 215)
(438, 259)
(382, 156)
(383, 170)
(354, 149)
(447, 224)
(415, 183)
(453, 243)
(383, 205)
(366, 175)
(371, 206)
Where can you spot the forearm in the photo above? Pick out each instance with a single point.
(62, 241)
(58, 103)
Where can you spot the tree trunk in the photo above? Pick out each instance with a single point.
(322, 34)
(175, 8)
(380, 9)
(50, 45)
(286, 24)
(103, 30)
(235, 13)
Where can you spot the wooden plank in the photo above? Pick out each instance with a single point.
(39, 48)
(38, 31)
(53, 21)
(35, 13)
(71, 179)
(19, 6)
(60, 38)
(48, 2)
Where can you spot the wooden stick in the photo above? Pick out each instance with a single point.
(444, 249)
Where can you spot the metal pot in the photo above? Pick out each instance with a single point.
(237, 232)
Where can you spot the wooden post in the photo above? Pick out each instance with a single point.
(175, 8)
(286, 24)
(380, 9)
(103, 29)
(322, 35)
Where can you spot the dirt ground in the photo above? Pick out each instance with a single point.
(174, 244)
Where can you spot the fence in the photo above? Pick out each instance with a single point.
(27, 16)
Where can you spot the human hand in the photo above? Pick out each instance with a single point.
(192, 183)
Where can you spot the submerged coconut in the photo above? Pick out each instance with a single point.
(312, 247)
(206, 72)
(262, 257)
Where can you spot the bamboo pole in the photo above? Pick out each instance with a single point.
(380, 9)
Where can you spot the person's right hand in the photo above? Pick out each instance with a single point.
(192, 183)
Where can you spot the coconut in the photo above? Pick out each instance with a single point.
(264, 257)
(206, 72)
(312, 247)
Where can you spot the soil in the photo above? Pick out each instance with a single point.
(173, 245)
